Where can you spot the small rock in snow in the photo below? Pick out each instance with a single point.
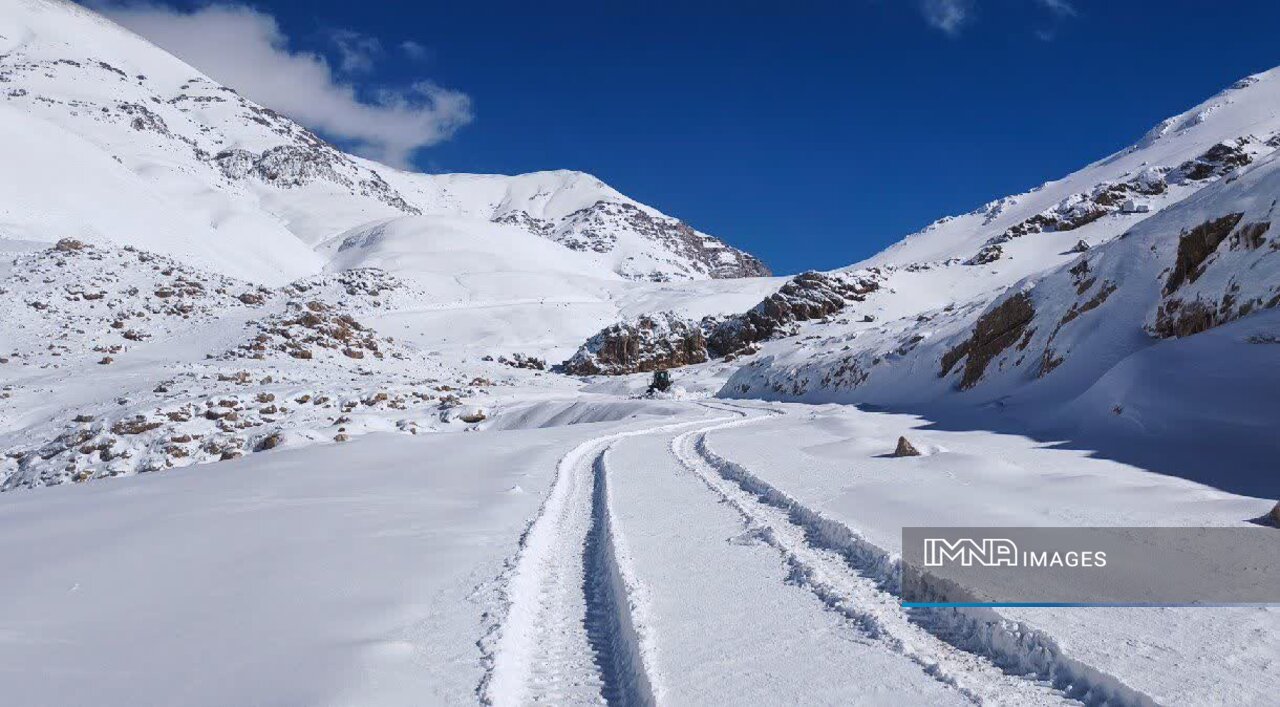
(905, 449)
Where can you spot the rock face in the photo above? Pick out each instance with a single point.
(994, 332)
(1186, 309)
(598, 228)
(647, 343)
(1275, 514)
(1081, 209)
(666, 340)
(810, 295)
(905, 449)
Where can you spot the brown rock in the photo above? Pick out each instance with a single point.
(994, 332)
(905, 449)
(68, 245)
(271, 442)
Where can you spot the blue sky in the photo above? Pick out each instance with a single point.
(812, 134)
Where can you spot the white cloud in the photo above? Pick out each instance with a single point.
(1062, 8)
(413, 50)
(356, 51)
(246, 50)
(946, 15)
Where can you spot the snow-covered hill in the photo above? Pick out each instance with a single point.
(111, 140)
(1149, 332)
(343, 472)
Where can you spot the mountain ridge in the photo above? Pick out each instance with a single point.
(243, 189)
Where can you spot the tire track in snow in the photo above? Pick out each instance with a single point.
(989, 659)
(564, 632)
(610, 625)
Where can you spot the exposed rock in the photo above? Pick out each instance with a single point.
(1080, 247)
(905, 449)
(1195, 246)
(473, 417)
(519, 360)
(989, 253)
(1250, 236)
(271, 441)
(1178, 318)
(1216, 161)
(68, 245)
(994, 332)
(134, 426)
(305, 328)
(595, 228)
(810, 295)
(663, 340)
(312, 159)
(1275, 514)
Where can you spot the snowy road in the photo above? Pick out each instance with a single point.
(653, 559)
(677, 553)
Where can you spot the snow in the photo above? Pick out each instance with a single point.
(161, 157)
(266, 435)
(350, 570)
(831, 459)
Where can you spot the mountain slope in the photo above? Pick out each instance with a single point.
(147, 140)
(1158, 342)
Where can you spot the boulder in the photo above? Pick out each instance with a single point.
(905, 449)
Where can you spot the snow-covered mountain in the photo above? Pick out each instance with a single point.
(112, 140)
(1134, 299)
(359, 476)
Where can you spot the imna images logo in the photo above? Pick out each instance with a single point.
(1003, 552)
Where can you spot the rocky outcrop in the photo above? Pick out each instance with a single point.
(596, 229)
(1195, 247)
(989, 253)
(647, 343)
(666, 340)
(1216, 161)
(294, 165)
(307, 330)
(1183, 314)
(993, 333)
(810, 295)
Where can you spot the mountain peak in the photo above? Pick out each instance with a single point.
(173, 161)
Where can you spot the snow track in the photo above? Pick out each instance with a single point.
(610, 628)
(989, 659)
(567, 635)
(565, 631)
